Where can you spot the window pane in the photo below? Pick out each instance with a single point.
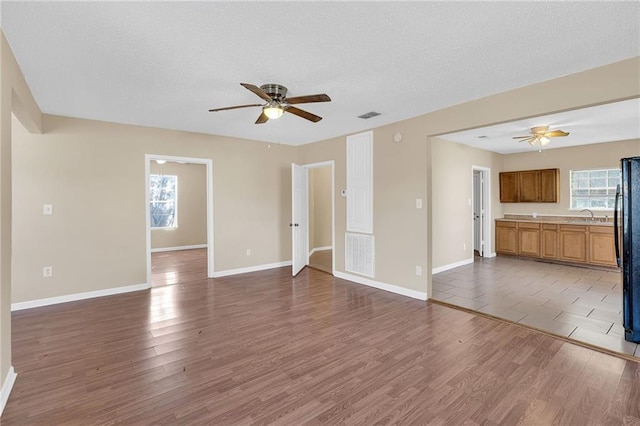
(594, 188)
(163, 201)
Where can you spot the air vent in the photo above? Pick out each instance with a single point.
(368, 115)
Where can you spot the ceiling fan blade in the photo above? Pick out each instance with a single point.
(304, 114)
(308, 99)
(556, 133)
(529, 139)
(522, 137)
(258, 91)
(262, 119)
(234, 107)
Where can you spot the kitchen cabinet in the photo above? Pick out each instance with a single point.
(549, 185)
(509, 188)
(549, 241)
(601, 246)
(586, 244)
(573, 243)
(529, 239)
(506, 237)
(530, 186)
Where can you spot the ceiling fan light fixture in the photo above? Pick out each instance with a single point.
(273, 111)
(544, 140)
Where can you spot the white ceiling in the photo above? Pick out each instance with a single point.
(604, 123)
(164, 64)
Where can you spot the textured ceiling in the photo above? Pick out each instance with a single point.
(164, 64)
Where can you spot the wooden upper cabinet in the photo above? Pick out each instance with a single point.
(529, 182)
(549, 185)
(509, 188)
(530, 186)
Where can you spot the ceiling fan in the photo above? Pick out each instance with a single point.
(275, 96)
(542, 135)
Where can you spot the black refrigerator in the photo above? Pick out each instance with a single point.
(626, 219)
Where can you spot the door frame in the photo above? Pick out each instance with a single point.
(485, 181)
(147, 173)
(333, 209)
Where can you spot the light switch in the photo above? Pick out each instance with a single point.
(47, 209)
(418, 203)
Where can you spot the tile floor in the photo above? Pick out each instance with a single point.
(578, 303)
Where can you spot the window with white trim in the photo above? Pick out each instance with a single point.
(594, 189)
(163, 202)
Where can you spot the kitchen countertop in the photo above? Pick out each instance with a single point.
(559, 221)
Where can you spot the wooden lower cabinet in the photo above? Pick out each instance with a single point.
(584, 244)
(507, 237)
(601, 246)
(549, 241)
(529, 239)
(573, 243)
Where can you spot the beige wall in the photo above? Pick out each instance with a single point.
(452, 189)
(403, 171)
(192, 206)
(602, 155)
(15, 97)
(93, 173)
(320, 207)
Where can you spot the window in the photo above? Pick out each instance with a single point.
(594, 189)
(163, 201)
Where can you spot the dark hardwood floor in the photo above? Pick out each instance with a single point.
(265, 348)
(322, 260)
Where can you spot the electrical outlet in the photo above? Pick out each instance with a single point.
(418, 203)
(418, 270)
(47, 271)
(248, 252)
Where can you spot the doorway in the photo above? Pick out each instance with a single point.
(481, 210)
(313, 217)
(180, 253)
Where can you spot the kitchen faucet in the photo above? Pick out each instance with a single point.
(590, 212)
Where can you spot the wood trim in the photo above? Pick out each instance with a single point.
(7, 385)
(161, 249)
(77, 296)
(382, 286)
(454, 265)
(254, 268)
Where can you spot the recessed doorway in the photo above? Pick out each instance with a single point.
(179, 218)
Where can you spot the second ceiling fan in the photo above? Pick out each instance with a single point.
(277, 103)
(542, 135)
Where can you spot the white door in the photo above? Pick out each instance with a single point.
(299, 218)
(478, 213)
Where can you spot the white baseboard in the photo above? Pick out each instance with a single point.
(320, 249)
(255, 268)
(160, 249)
(382, 286)
(6, 388)
(77, 296)
(452, 265)
(489, 255)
